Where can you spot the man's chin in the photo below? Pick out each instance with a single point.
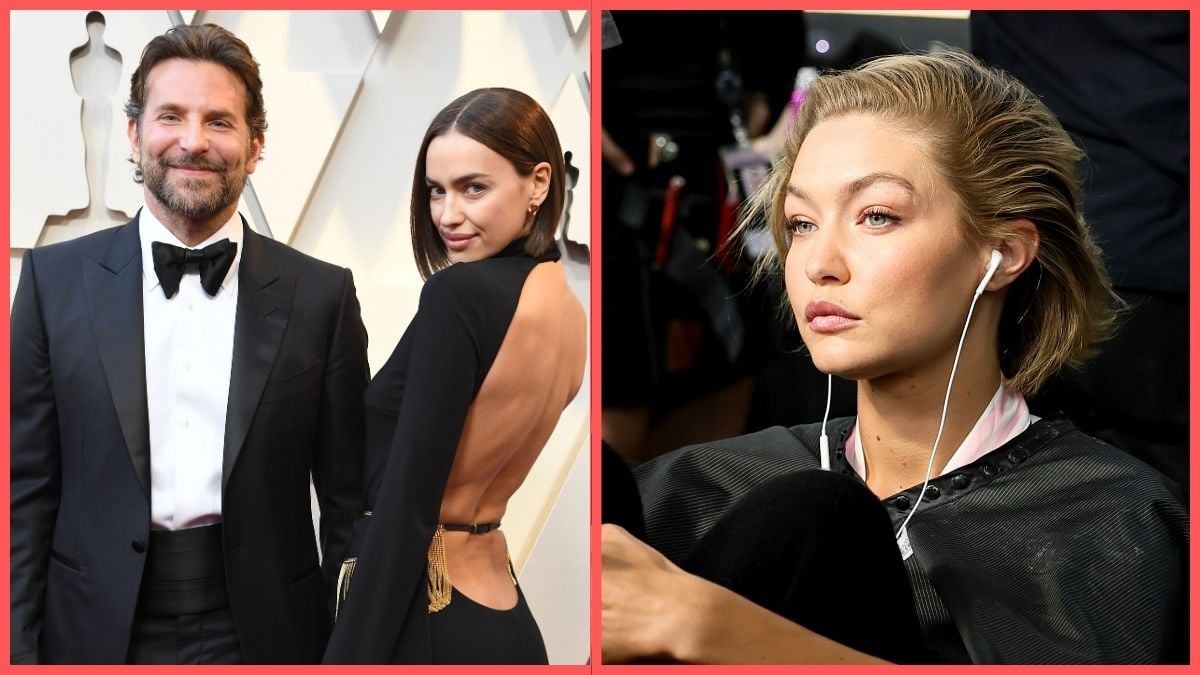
(194, 204)
(193, 211)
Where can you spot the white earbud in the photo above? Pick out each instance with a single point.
(993, 265)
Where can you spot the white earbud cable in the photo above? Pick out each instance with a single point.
(949, 386)
(824, 438)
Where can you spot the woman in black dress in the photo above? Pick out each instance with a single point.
(462, 408)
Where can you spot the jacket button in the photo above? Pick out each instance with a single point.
(989, 469)
(138, 546)
(1017, 456)
(960, 481)
(932, 492)
(902, 502)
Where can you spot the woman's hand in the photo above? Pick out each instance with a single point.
(651, 610)
(642, 599)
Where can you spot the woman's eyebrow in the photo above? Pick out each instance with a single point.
(859, 184)
(870, 179)
(465, 178)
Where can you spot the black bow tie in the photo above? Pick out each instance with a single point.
(212, 261)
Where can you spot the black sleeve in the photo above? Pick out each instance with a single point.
(337, 466)
(451, 349)
(36, 482)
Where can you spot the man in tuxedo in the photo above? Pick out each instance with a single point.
(175, 383)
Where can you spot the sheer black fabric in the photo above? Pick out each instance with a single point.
(1054, 548)
(441, 360)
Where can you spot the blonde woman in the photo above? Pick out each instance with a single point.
(926, 220)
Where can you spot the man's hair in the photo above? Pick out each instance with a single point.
(1006, 157)
(207, 42)
(512, 125)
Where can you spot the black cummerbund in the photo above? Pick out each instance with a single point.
(184, 573)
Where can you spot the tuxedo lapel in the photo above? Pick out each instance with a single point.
(113, 285)
(263, 307)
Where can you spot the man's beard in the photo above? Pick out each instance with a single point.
(193, 198)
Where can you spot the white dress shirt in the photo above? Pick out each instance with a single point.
(189, 356)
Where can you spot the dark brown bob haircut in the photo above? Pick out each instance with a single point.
(512, 125)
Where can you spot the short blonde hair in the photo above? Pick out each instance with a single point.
(1007, 157)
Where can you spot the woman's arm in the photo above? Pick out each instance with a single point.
(653, 610)
(448, 354)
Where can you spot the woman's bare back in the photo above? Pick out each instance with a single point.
(536, 373)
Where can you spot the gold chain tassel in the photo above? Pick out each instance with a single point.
(511, 573)
(438, 573)
(343, 584)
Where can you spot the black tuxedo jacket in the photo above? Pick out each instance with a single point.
(80, 448)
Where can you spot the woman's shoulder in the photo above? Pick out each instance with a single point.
(452, 280)
(1054, 477)
(1055, 446)
(500, 274)
(1056, 513)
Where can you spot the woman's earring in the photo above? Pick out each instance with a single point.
(533, 208)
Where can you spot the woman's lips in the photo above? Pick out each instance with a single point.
(826, 317)
(457, 242)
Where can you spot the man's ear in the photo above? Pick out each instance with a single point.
(256, 147)
(135, 149)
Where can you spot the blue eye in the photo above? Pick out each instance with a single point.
(799, 226)
(436, 191)
(475, 189)
(878, 219)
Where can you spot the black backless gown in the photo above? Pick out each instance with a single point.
(415, 407)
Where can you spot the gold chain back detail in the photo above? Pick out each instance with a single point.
(343, 583)
(511, 574)
(438, 573)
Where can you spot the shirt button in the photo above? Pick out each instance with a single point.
(960, 481)
(187, 366)
(185, 424)
(902, 502)
(989, 469)
(932, 492)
